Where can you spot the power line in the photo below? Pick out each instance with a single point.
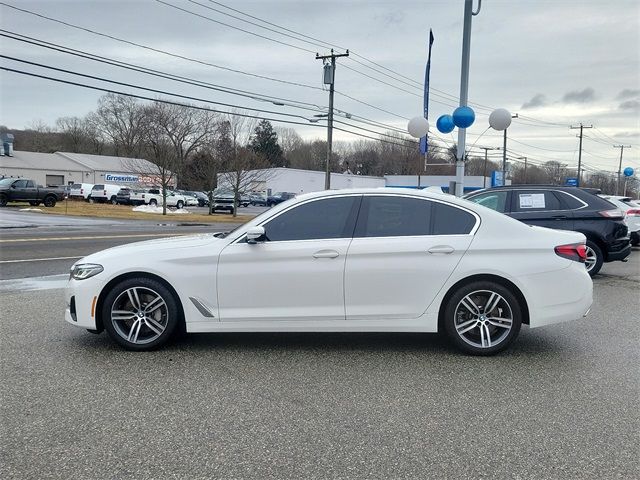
(231, 26)
(156, 50)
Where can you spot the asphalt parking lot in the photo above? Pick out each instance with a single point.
(562, 403)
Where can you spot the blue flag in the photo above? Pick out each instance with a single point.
(423, 140)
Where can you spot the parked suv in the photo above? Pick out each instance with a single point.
(279, 197)
(565, 208)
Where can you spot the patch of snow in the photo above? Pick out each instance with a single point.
(30, 210)
(158, 209)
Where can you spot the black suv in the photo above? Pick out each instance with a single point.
(565, 208)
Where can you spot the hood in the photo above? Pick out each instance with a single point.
(138, 250)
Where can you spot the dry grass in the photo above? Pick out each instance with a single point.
(106, 210)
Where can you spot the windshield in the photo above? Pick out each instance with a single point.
(7, 181)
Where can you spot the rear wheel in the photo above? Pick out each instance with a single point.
(140, 314)
(153, 202)
(3, 200)
(483, 318)
(114, 201)
(180, 204)
(34, 204)
(49, 201)
(595, 258)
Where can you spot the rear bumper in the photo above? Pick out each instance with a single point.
(619, 250)
(635, 238)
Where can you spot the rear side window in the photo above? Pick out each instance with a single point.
(76, 186)
(535, 201)
(389, 216)
(320, 219)
(31, 184)
(494, 200)
(449, 220)
(98, 187)
(570, 201)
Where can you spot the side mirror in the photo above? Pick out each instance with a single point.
(254, 234)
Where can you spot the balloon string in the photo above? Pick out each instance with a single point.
(479, 136)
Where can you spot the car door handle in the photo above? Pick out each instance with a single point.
(446, 249)
(326, 254)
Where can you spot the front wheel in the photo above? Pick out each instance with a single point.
(140, 314)
(3, 200)
(34, 204)
(595, 258)
(482, 318)
(180, 204)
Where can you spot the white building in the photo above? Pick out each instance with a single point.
(442, 181)
(297, 181)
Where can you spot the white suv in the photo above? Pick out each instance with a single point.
(104, 193)
(154, 197)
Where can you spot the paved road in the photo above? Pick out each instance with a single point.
(561, 404)
(38, 245)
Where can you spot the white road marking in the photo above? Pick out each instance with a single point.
(38, 259)
(34, 283)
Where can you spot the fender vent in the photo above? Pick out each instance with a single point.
(201, 308)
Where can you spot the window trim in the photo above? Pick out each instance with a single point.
(242, 238)
(472, 232)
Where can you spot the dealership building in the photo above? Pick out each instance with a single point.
(64, 168)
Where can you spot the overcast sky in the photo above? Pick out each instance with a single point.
(562, 62)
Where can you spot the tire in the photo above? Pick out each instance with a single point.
(3, 200)
(49, 201)
(139, 329)
(113, 200)
(180, 204)
(153, 202)
(595, 258)
(253, 204)
(467, 322)
(34, 204)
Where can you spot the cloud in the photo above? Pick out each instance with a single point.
(538, 100)
(633, 105)
(628, 93)
(585, 96)
(627, 135)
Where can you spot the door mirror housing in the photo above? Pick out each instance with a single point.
(255, 234)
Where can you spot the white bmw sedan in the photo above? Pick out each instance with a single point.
(367, 260)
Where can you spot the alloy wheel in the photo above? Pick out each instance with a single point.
(483, 319)
(139, 315)
(591, 259)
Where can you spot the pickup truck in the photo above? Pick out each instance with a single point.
(153, 197)
(23, 190)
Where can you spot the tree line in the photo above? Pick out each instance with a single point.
(194, 145)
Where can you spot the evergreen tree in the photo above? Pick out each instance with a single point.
(264, 144)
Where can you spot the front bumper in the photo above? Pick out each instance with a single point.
(81, 303)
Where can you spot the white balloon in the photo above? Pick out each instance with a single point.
(418, 127)
(500, 119)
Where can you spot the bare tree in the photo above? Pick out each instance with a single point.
(93, 134)
(122, 120)
(73, 133)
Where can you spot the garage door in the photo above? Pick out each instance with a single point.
(55, 180)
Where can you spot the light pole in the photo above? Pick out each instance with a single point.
(464, 90)
(621, 147)
(484, 170)
(504, 154)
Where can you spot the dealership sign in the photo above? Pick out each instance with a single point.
(112, 177)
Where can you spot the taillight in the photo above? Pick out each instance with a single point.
(615, 213)
(574, 251)
(105, 193)
(634, 212)
(81, 191)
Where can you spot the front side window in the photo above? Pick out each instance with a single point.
(390, 216)
(20, 184)
(319, 219)
(494, 200)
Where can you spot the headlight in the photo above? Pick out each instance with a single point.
(85, 270)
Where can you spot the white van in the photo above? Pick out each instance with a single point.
(104, 193)
(80, 191)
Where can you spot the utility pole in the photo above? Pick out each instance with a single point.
(484, 170)
(621, 147)
(329, 77)
(504, 154)
(525, 168)
(580, 148)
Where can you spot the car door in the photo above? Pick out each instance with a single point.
(403, 251)
(541, 207)
(297, 272)
(20, 190)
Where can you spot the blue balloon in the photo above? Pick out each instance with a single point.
(628, 172)
(463, 117)
(445, 123)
